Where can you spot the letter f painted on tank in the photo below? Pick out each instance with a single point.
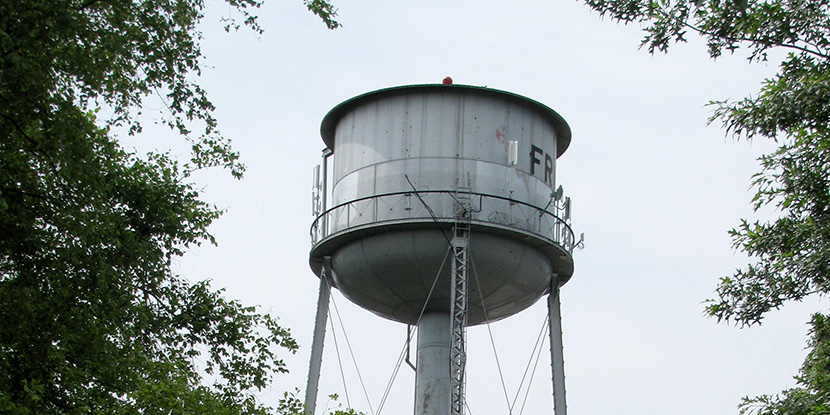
(533, 159)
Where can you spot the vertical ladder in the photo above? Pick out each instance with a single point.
(458, 311)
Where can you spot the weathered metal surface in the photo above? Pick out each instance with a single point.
(398, 154)
(329, 124)
(432, 376)
(433, 135)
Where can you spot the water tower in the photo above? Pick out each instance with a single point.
(444, 214)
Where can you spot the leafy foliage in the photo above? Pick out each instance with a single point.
(94, 320)
(325, 11)
(813, 394)
(791, 255)
(290, 404)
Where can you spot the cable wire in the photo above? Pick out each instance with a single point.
(351, 352)
(429, 209)
(409, 337)
(537, 344)
(468, 407)
(490, 332)
(389, 385)
(339, 361)
(527, 391)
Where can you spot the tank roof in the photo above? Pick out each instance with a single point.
(329, 124)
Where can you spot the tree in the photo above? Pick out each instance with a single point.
(790, 255)
(290, 404)
(93, 318)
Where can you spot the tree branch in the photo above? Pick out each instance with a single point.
(87, 4)
(766, 44)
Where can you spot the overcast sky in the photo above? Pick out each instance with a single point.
(654, 190)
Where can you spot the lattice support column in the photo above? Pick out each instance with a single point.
(458, 313)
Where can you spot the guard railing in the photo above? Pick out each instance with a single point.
(437, 205)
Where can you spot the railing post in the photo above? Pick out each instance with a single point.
(530, 218)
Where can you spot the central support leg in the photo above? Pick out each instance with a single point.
(432, 378)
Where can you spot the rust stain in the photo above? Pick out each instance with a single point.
(501, 134)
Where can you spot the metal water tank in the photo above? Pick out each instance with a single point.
(401, 158)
